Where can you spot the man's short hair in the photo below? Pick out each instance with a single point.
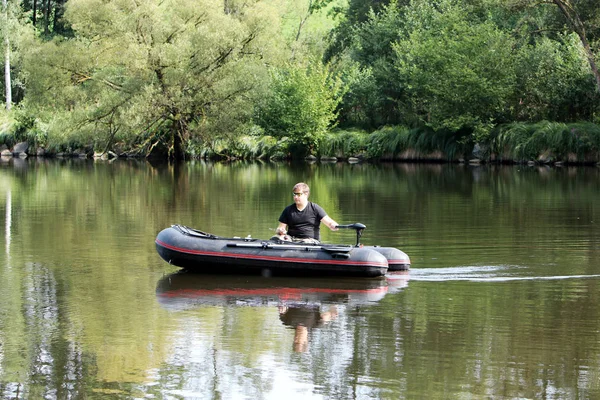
(303, 187)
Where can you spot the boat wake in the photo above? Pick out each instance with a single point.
(497, 273)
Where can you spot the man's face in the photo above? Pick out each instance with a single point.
(299, 197)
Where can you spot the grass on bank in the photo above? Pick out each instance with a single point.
(547, 142)
(542, 142)
(7, 124)
(393, 143)
(397, 142)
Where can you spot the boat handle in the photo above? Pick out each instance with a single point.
(340, 255)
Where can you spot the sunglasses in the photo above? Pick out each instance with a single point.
(298, 194)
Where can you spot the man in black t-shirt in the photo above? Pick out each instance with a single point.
(302, 220)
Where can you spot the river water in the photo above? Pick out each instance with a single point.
(502, 300)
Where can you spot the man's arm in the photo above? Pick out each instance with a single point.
(281, 229)
(330, 223)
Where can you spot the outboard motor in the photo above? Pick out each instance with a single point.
(356, 226)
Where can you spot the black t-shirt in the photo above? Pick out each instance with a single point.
(303, 224)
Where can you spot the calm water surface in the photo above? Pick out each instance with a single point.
(502, 301)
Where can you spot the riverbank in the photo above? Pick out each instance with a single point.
(545, 143)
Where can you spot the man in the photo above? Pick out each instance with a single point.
(301, 221)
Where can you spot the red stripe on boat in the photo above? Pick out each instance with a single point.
(264, 292)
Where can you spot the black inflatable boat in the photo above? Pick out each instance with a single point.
(199, 251)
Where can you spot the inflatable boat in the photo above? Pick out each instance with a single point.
(198, 251)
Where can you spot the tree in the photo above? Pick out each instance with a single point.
(367, 62)
(355, 14)
(457, 76)
(553, 81)
(465, 65)
(300, 106)
(152, 74)
(312, 7)
(581, 17)
(50, 13)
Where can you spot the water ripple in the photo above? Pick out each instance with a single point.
(494, 273)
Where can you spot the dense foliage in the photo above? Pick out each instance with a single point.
(234, 78)
(300, 104)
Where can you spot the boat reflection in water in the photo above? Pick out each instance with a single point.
(185, 290)
(303, 303)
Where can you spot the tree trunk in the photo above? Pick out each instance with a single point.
(34, 17)
(591, 60)
(178, 154)
(299, 31)
(227, 8)
(59, 10)
(572, 16)
(7, 80)
(47, 17)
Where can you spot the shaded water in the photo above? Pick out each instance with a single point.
(502, 300)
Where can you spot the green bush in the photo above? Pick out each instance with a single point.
(301, 105)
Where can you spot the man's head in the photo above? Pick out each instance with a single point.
(301, 192)
(302, 188)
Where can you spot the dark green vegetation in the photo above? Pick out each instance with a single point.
(514, 80)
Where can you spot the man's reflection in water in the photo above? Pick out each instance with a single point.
(304, 318)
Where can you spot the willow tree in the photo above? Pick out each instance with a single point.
(152, 73)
